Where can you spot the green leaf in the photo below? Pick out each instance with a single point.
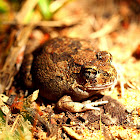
(44, 7)
(2, 116)
(4, 7)
(28, 16)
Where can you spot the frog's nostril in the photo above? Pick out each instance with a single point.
(104, 56)
(99, 56)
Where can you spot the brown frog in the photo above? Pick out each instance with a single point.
(69, 70)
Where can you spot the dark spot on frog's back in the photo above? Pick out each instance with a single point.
(60, 57)
(66, 55)
(75, 44)
(55, 43)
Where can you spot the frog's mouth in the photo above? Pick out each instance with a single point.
(100, 87)
(96, 86)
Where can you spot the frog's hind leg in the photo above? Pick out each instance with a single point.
(66, 104)
(26, 70)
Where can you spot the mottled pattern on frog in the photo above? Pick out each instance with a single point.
(72, 66)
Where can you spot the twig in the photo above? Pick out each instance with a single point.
(71, 133)
(109, 27)
(15, 124)
(46, 23)
(26, 8)
(9, 69)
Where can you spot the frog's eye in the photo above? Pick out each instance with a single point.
(88, 73)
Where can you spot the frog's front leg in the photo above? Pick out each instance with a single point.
(67, 104)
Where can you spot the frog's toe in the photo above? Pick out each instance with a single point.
(66, 104)
(90, 106)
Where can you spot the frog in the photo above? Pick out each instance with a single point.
(69, 71)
